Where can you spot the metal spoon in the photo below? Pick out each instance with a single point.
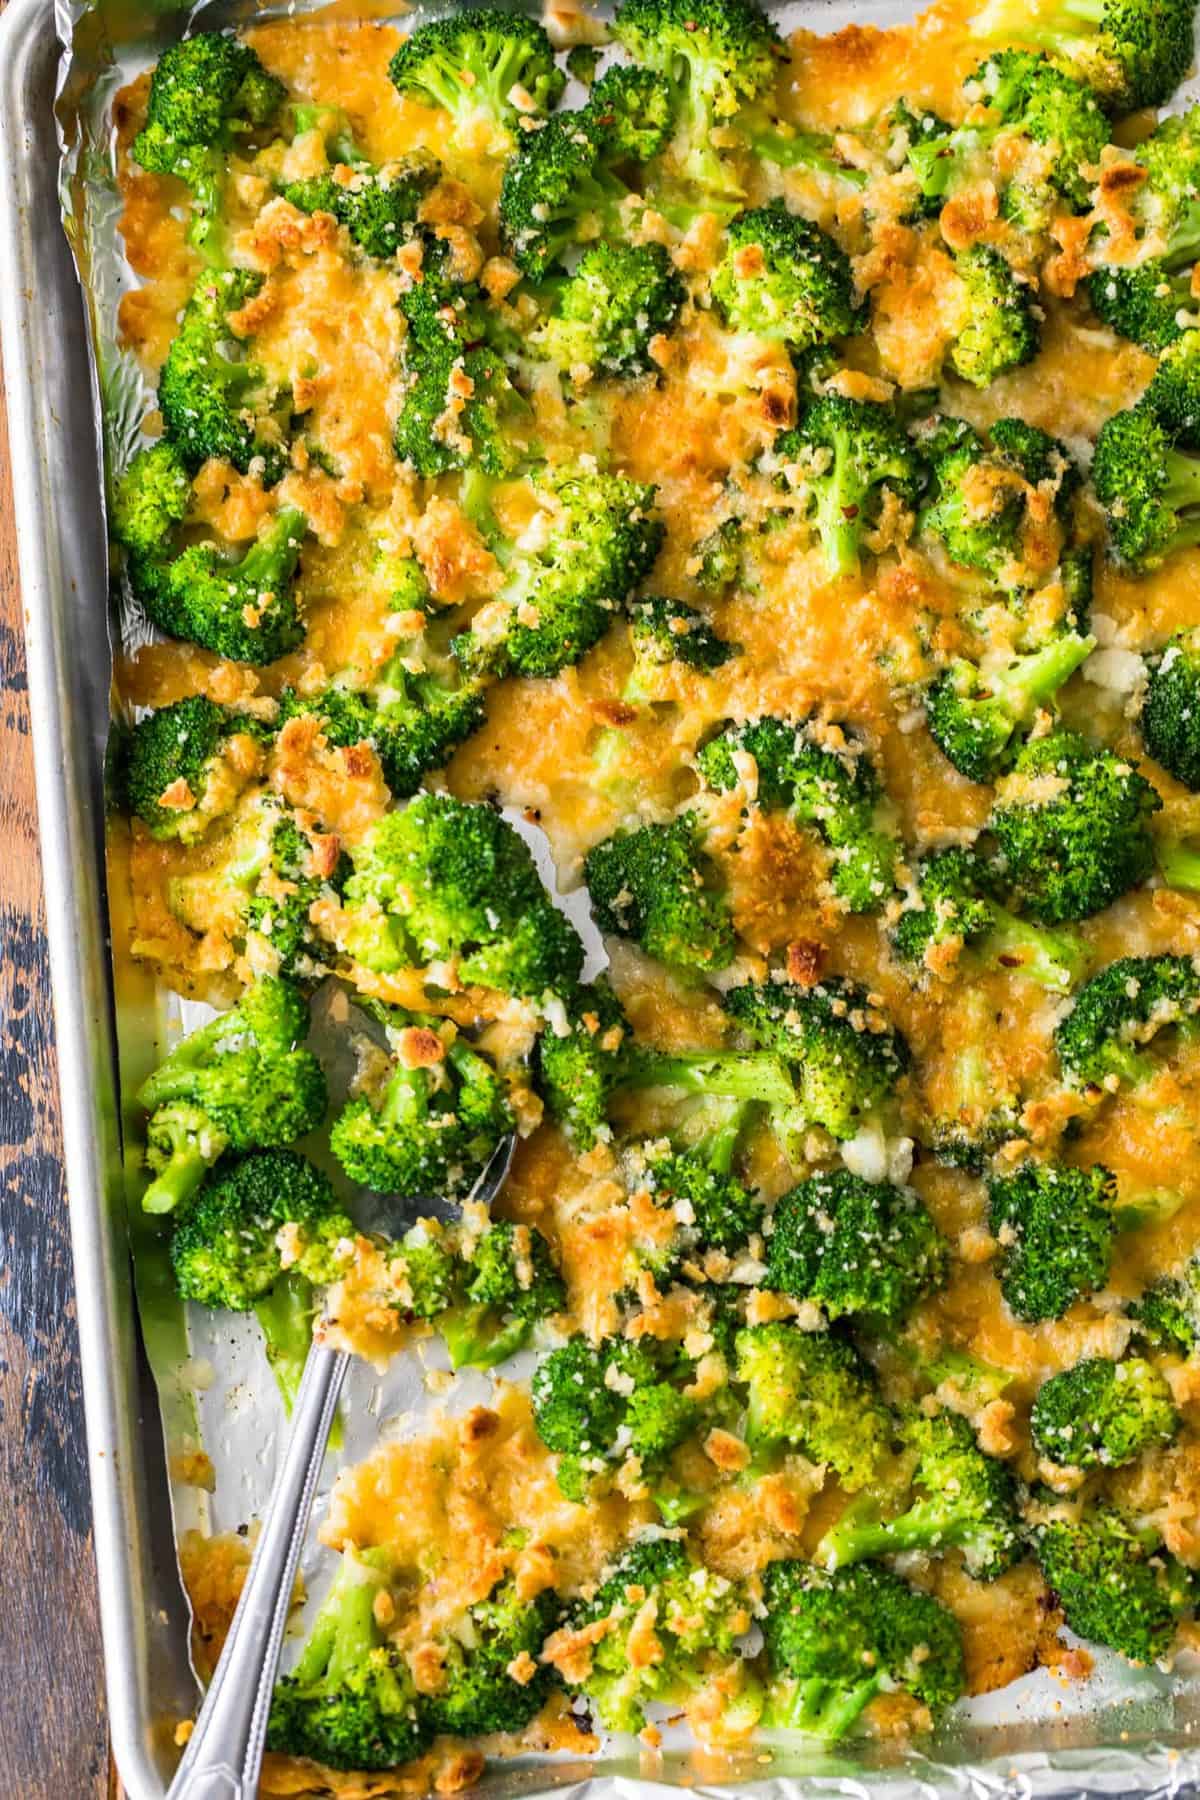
(224, 1753)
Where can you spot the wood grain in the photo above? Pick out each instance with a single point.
(53, 1740)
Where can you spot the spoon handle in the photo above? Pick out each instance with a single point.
(224, 1753)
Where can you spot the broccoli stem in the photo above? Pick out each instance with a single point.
(1178, 864)
(344, 1632)
(1053, 959)
(173, 1186)
(271, 560)
(720, 1147)
(861, 1533)
(1154, 1207)
(840, 495)
(1036, 677)
(756, 1075)
(824, 1710)
(476, 1337)
(1182, 490)
(286, 1316)
(803, 150)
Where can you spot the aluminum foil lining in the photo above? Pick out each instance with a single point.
(1123, 1733)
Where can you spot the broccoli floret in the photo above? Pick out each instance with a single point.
(696, 1618)
(987, 501)
(434, 1126)
(846, 1059)
(1132, 52)
(836, 1640)
(426, 1259)
(855, 1247)
(966, 1501)
(510, 1281)
(477, 1693)
(1167, 1313)
(658, 886)
(1102, 1414)
(596, 1407)
(562, 185)
(812, 1391)
(607, 315)
(822, 775)
(208, 95)
(1149, 302)
(350, 1702)
(999, 329)
(842, 458)
(243, 608)
(226, 1250)
(460, 411)
(634, 107)
(664, 632)
(283, 884)
(800, 291)
(1056, 1228)
(974, 715)
(151, 499)
(581, 1064)
(215, 403)
(1030, 98)
(719, 58)
(413, 722)
(447, 879)
(721, 1212)
(601, 540)
(239, 1083)
(1149, 489)
(470, 64)
(184, 742)
(1173, 395)
(1122, 1009)
(1113, 1582)
(956, 904)
(1171, 708)
(717, 557)
(1072, 826)
(377, 206)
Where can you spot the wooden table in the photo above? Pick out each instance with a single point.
(53, 1739)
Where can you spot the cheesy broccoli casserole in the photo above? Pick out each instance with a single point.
(772, 466)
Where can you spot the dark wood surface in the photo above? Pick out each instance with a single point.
(53, 1741)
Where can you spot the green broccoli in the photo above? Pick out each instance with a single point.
(186, 742)
(209, 95)
(842, 459)
(1149, 489)
(151, 498)
(633, 106)
(845, 1057)
(227, 1249)
(720, 57)
(508, 1283)
(835, 1641)
(378, 206)
(435, 1124)
(243, 608)
(999, 330)
(559, 596)
(967, 1501)
(562, 187)
(1056, 1229)
(1171, 708)
(445, 879)
(783, 279)
(1150, 302)
(583, 1059)
(477, 1693)
(980, 504)
(350, 1702)
(821, 774)
(238, 1083)
(810, 1390)
(1167, 1313)
(1113, 1581)
(956, 903)
(608, 313)
(414, 722)
(460, 411)
(855, 1247)
(1173, 395)
(1132, 52)
(597, 1407)
(214, 403)
(1072, 827)
(696, 1182)
(283, 885)
(1121, 1010)
(426, 1259)
(657, 885)
(491, 65)
(975, 714)
(1102, 1414)
(664, 632)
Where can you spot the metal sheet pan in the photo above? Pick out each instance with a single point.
(1144, 1745)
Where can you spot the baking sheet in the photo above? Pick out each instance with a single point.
(1125, 1732)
